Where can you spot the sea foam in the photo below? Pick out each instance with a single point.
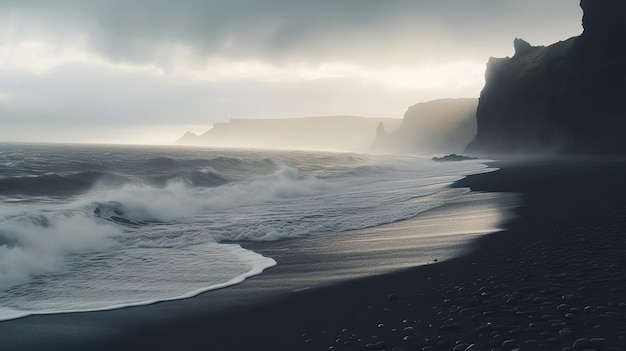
(153, 230)
(36, 245)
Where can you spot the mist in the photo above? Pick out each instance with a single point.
(439, 126)
(332, 133)
(148, 71)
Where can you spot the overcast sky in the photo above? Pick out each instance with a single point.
(145, 71)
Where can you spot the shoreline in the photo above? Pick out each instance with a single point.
(411, 242)
(505, 293)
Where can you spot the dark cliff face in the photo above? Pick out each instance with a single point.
(567, 97)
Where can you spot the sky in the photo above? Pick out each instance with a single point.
(146, 71)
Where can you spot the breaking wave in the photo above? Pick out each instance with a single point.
(84, 231)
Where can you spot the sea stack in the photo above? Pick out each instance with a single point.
(563, 98)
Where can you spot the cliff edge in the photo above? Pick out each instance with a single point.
(563, 98)
(439, 126)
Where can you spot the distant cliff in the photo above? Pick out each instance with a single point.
(566, 97)
(439, 126)
(338, 133)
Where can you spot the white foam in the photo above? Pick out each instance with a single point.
(81, 291)
(135, 244)
(35, 245)
(178, 201)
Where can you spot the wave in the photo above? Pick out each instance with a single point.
(71, 184)
(177, 201)
(39, 241)
(32, 245)
(49, 184)
(265, 207)
(124, 233)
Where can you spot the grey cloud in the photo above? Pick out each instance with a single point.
(280, 30)
(76, 99)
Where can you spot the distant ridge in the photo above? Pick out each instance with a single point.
(334, 133)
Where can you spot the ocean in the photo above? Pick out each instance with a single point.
(92, 227)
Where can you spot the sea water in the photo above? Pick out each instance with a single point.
(85, 227)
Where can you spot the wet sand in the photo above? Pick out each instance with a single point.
(553, 279)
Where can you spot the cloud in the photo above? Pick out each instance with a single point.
(106, 69)
(142, 31)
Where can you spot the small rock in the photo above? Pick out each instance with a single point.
(598, 343)
(442, 344)
(393, 297)
(565, 332)
(581, 344)
(563, 307)
(449, 327)
(509, 344)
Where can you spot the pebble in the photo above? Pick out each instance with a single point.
(598, 342)
(393, 297)
(565, 332)
(509, 344)
(582, 344)
(507, 313)
(563, 307)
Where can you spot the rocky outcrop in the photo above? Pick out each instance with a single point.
(188, 138)
(566, 97)
(439, 126)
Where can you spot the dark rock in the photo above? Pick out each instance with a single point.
(509, 344)
(393, 297)
(563, 98)
(599, 343)
(453, 157)
(521, 46)
(451, 326)
(582, 344)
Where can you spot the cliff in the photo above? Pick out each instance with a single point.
(439, 126)
(335, 133)
(566, 97)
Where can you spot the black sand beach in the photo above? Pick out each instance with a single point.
(553, 279)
